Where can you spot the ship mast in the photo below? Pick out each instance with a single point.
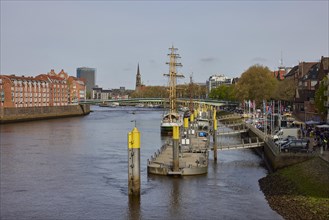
(173, 77)
(191, 94)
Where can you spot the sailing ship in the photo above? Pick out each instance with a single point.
(172, 117)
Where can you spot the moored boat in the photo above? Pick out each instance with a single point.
(104, 104)
(168, 121)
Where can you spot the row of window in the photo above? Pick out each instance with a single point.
(20, 89)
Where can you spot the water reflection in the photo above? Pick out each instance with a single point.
(134, 204)
(175, 197)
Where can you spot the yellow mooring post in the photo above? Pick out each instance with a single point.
(175, 146)
(214, 135)
(192, 117)
(192, 121)
(186, 126)
(134, 163)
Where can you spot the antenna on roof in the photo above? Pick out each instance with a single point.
(281, 62)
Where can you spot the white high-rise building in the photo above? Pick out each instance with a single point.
(217, 80)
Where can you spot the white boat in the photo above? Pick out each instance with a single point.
(203, 123)
(114, 104)
(168, 121)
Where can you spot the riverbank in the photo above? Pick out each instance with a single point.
(300, 191)
(9, 115)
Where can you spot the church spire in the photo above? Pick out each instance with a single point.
(138, 79)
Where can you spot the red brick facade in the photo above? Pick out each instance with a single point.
(43, 90)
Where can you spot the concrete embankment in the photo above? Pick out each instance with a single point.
(271, 155)
(8, 115)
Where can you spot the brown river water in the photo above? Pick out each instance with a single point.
(76, 168)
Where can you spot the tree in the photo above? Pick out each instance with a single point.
(88, 95)
(286, 90)
(320, 98)
(150, 92)
(256, 83)
(223, 92)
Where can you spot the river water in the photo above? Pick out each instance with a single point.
(76, 168)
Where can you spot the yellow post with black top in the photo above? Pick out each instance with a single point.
(134, 162)
(175, 148)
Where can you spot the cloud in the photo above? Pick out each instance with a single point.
(152, 61)
(259, 59)
(208, 59)
(127, 69)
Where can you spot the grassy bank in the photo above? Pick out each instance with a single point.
(300, 191)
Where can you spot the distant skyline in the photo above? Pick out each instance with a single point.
(212, 37)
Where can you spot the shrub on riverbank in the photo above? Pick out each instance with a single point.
(300, 191)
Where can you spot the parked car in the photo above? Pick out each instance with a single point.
(298, 145)
(285, 140)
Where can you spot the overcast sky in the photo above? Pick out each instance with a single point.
(212, 37)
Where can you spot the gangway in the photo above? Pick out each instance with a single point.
(229, 117)
(232, 132)
(233, 124)
(243, 145)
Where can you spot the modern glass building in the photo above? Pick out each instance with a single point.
(89, 74)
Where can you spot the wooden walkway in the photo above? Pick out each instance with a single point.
(245, 144)
(220, 133)
(229, 117)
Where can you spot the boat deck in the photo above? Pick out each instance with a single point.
(193, 158)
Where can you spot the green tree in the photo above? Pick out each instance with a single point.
(223, 92)
(285, 90)
(256, 83)
(150, 92)
(88, 95)
(320, 98)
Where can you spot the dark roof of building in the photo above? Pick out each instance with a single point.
(312, 74)
(292, 72)
(325, 63)
(304, 68)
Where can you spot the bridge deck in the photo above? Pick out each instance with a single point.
(240, 146)
(219, 133)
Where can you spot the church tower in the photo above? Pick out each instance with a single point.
(138, 79)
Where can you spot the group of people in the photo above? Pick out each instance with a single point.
(319, 137)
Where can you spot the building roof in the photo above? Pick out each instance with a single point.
(312, 74)
(292, 72)
(325, 63)
(304, 68)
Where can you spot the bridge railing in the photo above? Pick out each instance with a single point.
(150, 100)
(266, 138)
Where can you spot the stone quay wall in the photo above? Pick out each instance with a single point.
(8, 115)
(272, 155)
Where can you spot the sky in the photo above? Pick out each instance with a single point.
(212, 37)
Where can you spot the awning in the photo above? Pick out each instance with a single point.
(298, 122)
(322, 126)
(311, 122)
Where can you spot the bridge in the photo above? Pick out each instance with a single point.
(160, 101)
(238, 128)
(245, 144)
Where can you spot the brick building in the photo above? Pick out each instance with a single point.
(20, 91)
(49, 89)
